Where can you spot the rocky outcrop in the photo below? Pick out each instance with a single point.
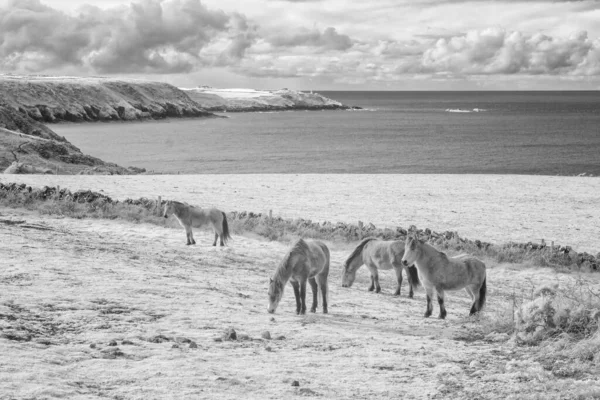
(55, 99)
(20, 168)
(245, 100)
(21, 153)
(14, 120)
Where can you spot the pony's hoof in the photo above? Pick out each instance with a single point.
(427, 314)
(371, 289)
(187, 244)
(442, 316)
(396, 293)
(313, 310)
(378, 290)
(410, 296)
(325, 311)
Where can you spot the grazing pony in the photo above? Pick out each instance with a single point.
(379, 254)
(439, 273)
(189, 216)
(305, 260)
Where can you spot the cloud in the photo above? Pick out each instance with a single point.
(489, 52)
(329, 39)
(499, 52)
(150, 36)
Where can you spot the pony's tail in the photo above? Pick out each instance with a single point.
(482, 291)
(226, 235)
(413, 276)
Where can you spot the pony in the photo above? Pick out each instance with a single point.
(189, 216)
(305, 260)
(379, 254)
(439, 273)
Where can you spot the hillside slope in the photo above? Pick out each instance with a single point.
(54, 99)
(236, 100)
(106, 306)
(33, 154)
(14, 120)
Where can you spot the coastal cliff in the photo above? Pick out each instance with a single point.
(27, 154)
(55, 99)
(248, 100)
(27, 103)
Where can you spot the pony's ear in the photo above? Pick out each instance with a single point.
(413, 243)
(270, 280)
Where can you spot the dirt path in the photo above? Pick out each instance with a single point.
(69, 287)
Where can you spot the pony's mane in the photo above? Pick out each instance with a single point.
(179, 203)
(439, 253)
(358, 249)
(299, 247)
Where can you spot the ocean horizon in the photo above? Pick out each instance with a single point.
(457, 132)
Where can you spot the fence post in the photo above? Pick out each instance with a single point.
(552, 246)
(158, 204)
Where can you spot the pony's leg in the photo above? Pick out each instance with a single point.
(188, 234)
(315, 292)
(218, 234)
(429, 310)
(322, 281)
(399, 279)
(296, 287)
(411, 284)
(441, 297)
(474, 292)
(303, 296)
(377, 287)
(374, 279)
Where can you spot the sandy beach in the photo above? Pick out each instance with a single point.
(494, 208)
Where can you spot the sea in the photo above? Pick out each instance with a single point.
(502, 132)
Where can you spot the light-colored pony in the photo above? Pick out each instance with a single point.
(189, 216)
(305, 260)
(379, 254)
(439, 273)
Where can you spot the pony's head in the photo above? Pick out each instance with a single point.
(168, 209)
(353, 263)
(412, 251)
(349, 271)
(275, 294)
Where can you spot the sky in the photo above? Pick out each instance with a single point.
(310, 44)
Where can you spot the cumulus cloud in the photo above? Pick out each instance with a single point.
(476, 53)
(329, 39)
(150, 36)
(495, 51)
(179, 36)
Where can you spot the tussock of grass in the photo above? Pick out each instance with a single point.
(563, 321)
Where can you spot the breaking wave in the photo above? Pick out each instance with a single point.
(461, 110)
